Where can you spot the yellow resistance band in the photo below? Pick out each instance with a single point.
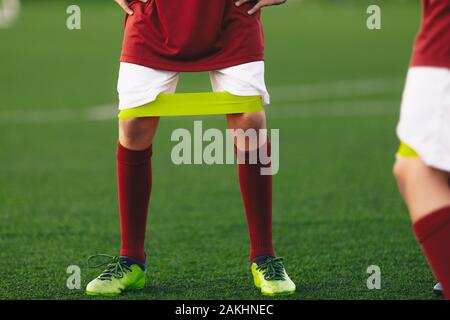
(406, 151)
(189, 104)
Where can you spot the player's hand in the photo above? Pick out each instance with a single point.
(259, 4)
(125, 7)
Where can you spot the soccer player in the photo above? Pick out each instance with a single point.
(422, 168)
(161, 39)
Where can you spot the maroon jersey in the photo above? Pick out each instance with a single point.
(192, 35)
(432, 47)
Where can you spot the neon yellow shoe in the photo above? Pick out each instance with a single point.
(121, 273)
(270, 277)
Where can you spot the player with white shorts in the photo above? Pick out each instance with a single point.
(422, 168)
(163, 38)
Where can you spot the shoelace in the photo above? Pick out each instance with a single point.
(272, 268)
(115, 267)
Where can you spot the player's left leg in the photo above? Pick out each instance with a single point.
(268, 271)
(256, 189)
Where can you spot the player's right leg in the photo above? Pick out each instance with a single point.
(134, 175)
(137, 86)
(423, 164)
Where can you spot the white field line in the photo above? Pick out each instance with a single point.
(290, 101)
(39, 116)
(340, 89)
(363, 108)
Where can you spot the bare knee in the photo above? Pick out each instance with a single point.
(423, 187)
(137, 133)
(400, 171)
(245, 129)
(247, 120)
(408, 170)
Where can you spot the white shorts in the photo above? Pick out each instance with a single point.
(425, 115)
(139, 85)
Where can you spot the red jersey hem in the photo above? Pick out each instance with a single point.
(189, 66)
(427, 62)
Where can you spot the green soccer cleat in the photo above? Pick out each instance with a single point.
(270, 277)
(121, 273)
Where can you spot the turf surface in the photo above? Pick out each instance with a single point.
(336, 89)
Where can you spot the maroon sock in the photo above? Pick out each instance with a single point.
(433, 233)
(256, 190)
(134, 177)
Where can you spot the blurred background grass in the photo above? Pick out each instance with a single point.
(336, 89)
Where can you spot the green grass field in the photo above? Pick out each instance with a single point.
(336, 89)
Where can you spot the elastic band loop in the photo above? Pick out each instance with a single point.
(190, 104)
(406, 151)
